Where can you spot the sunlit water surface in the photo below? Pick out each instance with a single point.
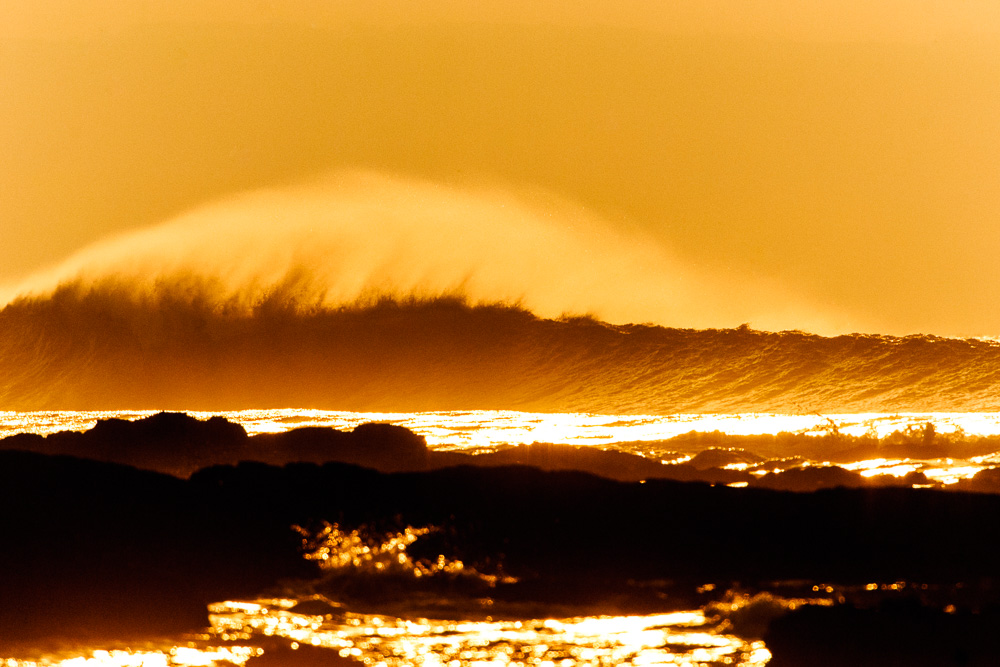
(243, 631)
(485, 430)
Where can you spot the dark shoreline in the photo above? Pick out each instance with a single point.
(180, 445)
(97, 549)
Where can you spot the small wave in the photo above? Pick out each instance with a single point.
(362, 551)
(374, 569)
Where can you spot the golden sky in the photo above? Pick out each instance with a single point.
(840, 156)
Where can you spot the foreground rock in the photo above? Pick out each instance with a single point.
(179, 444)
(901, 634)
(100, 550)
(97, 549)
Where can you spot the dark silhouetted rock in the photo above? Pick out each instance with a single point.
(907, 480)
(611, 464)
(984, 481)
(719, 458)
(384, 447)
(106, 551)
(810, 478)
(95, 548)
(904, 634)
(178, 444)
(168, 442)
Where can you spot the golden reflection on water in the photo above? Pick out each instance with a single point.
(489, 428)
(485, 430)
(189, 655)
(644, 435)
(681, 638)
(941, 471)
(241, 629)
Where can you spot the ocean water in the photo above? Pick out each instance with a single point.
(916, 415)
(458, 629)
(245, 630)
(657, 437)
(456, 632)
(106, 347)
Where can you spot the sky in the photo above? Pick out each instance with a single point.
(826, 166)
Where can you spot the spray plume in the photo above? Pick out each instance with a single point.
(358, 237)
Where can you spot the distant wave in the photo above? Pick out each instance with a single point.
(95, 347)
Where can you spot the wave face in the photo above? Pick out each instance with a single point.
(98, 348)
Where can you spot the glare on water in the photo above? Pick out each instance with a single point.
(675, 639)
(479, 431)
(243, 631)
(682, 638)
(489, 428)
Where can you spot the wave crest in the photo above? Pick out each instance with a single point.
(89, 349)
(353, 237)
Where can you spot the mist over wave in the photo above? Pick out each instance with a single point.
(360, 236)
(93, 348)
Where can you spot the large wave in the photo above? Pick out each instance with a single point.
(89, 348)
(363, 292)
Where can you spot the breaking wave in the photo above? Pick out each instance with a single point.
(100, 349)
(363, 292)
